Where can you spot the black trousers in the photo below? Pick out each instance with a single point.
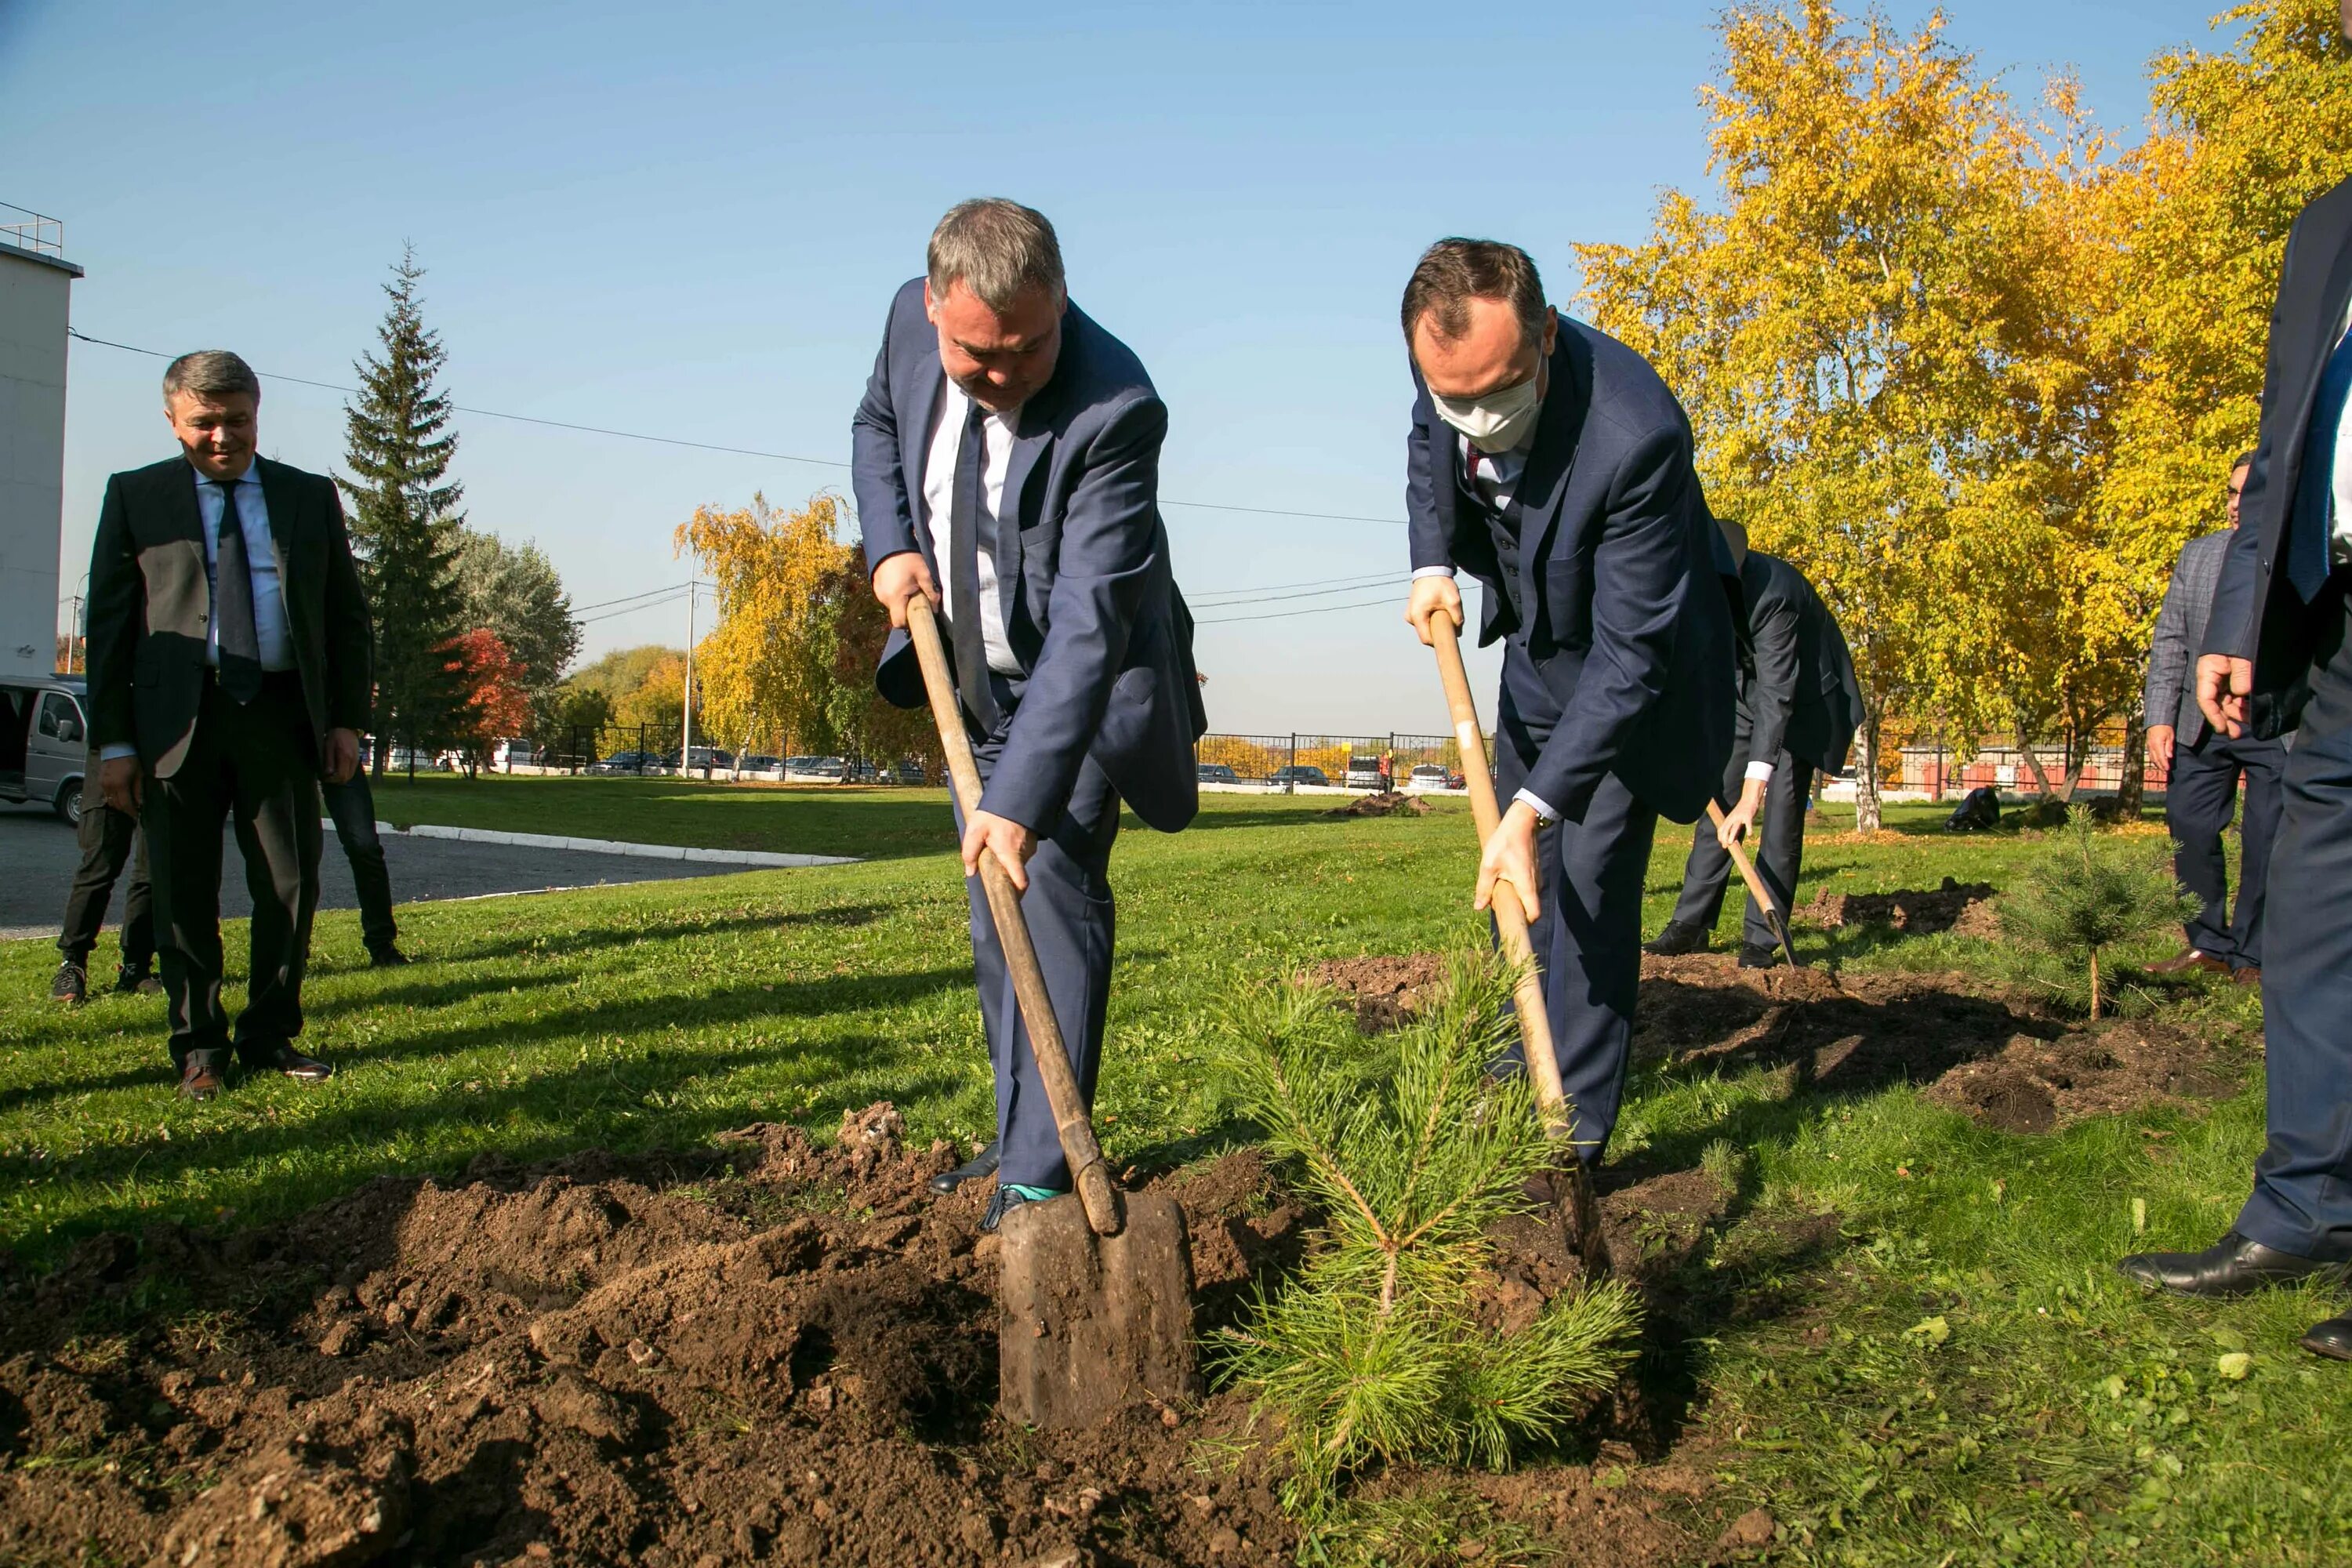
(1589, 939)
(1777, 848)
(2198, 803)
(1072, 923)
(352, 806)
(257, 765)
(110, 840)
(2302, 1201)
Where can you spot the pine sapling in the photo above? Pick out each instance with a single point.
(2082, 897)
(1411, 1146)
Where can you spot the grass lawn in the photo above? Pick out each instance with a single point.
(1956, 1375)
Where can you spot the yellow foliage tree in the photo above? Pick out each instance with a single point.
(766, 672)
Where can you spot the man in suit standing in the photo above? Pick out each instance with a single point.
(1799, 705)
(1550, 462)
(1009, 447)
(2204, 766)
(109, 841)
(229, 669)
(2278, 656)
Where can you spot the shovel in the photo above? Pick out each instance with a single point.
(1095, 1287)
(1772, 915)
(1511, 926)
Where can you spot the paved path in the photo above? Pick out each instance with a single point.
(37, 856)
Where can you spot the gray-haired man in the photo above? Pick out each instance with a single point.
(229, 669)
(1010, 447)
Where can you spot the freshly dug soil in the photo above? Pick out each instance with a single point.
(2036, 1086)
(1383, 991)
(1962, 907)
(1384, 803)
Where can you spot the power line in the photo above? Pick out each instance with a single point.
(675, 595)
(577, 610)
(1319, 610)
(1385, 579)
(715, 447)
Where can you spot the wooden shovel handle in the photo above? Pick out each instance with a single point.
(1774, 916)
(1510, 919)
(1078, 1144)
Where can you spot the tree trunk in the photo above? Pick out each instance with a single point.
(2095, 985)
(1866, 814)
(2133, 786)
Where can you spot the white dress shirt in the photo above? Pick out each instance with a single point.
(2339, 540)
(270, 631)
(948, 416)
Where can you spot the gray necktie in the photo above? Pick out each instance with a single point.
(240, 644)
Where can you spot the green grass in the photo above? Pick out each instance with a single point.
(1948, 1372)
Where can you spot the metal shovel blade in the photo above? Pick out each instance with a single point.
(1093, 1323)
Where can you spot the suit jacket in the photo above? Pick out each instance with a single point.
(151, 605)
(1091, 608)
(1802, 693)
(1628, 619)
(2257, 613)
(2170, 697)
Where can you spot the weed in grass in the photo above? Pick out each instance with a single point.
(1374, 1351)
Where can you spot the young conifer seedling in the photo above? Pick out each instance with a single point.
(2082, 897)
(1413, 1148)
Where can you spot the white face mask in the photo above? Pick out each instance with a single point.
(1499, 421)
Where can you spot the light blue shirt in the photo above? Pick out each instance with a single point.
(269, 631)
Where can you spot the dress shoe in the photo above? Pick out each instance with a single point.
(201, 1077)
(139, 981)
(2187, 960)
(388, 956)
(2332, 1339)
(1757, 955)
(2233, 1266)
(1679, 938)
(2250, 975)
(1007, 1198)
(292, 1063)
(981, 1164)
(72, 984)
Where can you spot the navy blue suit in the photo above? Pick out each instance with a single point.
(1107, 705)
(2281, 604)
(1604, 580)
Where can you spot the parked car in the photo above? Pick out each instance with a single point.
(1301, 773)
(704, 757)
(829, 770)
(908, 772)
(759, 762)
(1218, 772)
(409, 759)
(44, 742)
(863, 772)
(1364, 773)
(515, 754)
(626, 763)
(1428, 775)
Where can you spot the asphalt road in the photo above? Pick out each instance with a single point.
(37, 856)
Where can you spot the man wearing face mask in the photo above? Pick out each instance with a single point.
(1010, 447)
(1550, 462)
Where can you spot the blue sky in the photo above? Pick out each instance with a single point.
(687, 220)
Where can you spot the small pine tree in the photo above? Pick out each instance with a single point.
(1374, 1351)
(2080, 898)
(404, 522)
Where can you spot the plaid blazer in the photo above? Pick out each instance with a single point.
(2171, 694)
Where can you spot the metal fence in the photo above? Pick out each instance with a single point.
(1310, 759)
(1936, 766)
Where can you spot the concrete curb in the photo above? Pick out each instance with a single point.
(611, 847)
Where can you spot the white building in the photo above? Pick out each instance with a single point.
(34, 282)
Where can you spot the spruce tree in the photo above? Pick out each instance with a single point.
(405, 526)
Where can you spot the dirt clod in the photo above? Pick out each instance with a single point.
(1382, 803)
(1965, 908)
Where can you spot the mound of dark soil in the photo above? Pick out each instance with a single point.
(2035, 1085)
(1965, 907)
(776, 1352)
(1383, 991)
(1384, 802)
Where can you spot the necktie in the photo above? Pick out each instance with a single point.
(963, 573)
(2313, 519)
(240, 645)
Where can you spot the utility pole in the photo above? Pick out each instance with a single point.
(686, 742)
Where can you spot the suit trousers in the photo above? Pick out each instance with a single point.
(256, 764)
(1778, 848)
(1071, 923)
(110, 840)
(2198, 803)
(351, 806)
(1588, 941)
(2302, 1201)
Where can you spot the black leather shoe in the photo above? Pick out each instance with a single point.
(130, 982)
(388, 956)
(201, 1077)
(1002, 1202)
(2332, 1339)
(2233, 1266)
(1754, 955)
(981, 1164)
(292, 1063)
(72, 984)
(1679, 938)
